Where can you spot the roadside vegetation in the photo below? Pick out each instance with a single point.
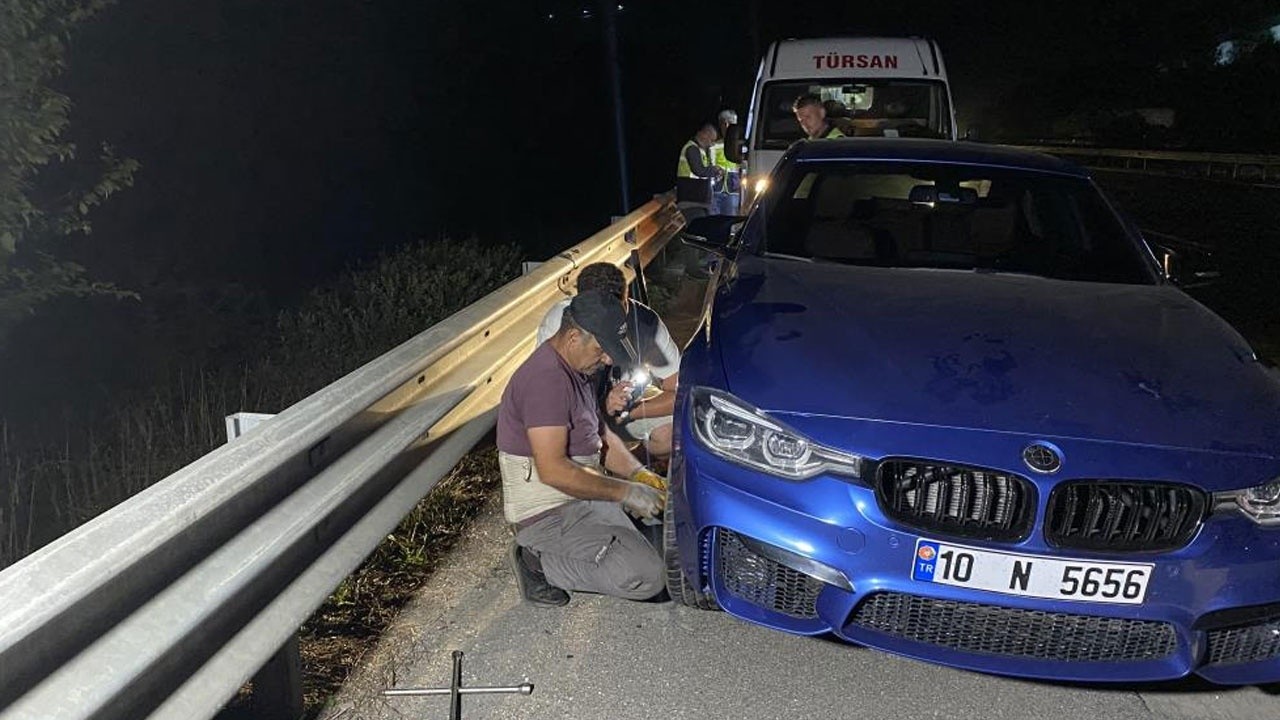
(48, 186)
(104, 455)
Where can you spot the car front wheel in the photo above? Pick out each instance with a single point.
(678, 586)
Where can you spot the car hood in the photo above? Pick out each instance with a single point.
(1009, 353)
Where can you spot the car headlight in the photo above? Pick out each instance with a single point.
(741, 434)
(753, 186)
(1260, 503)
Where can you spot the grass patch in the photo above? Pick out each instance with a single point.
(350, 622)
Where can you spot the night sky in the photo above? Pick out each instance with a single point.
(280, 140)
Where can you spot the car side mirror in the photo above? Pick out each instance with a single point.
(1186, 267)
(713, 234)
(1185, 263)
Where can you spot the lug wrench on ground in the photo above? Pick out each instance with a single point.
(456, 691)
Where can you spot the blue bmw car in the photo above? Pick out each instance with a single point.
(945, 401)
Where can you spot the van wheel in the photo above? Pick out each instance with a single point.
(678, 586)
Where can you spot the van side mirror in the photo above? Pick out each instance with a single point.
(733, 147)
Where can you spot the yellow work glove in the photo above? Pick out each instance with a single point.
(645, 476)
(643, 501)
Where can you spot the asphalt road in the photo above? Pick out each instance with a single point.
(605, 658)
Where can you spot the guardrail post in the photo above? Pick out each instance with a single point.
(277, 688)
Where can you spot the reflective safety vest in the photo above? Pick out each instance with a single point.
(833, 133)
(682, 166)
(719, 158)
(729, 180)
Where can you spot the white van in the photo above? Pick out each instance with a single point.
(888, 87)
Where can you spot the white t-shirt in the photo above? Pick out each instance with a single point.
(551, 321)
(662, 340)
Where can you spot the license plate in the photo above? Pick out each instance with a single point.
(1030, 575)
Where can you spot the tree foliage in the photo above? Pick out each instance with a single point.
(38, 205)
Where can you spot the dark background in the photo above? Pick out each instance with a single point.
(279, 138)
(282, 141)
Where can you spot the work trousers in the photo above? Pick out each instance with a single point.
(592, 546)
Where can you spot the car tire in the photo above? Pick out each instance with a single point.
(678, 586)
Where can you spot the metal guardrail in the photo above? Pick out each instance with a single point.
(1256, 169)
(165, 605)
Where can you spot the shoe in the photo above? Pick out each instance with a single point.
(533, 584)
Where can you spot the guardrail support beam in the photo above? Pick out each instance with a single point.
(277, 688)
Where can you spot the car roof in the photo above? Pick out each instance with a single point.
(943, 151)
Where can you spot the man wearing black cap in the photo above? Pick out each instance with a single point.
(572, 531)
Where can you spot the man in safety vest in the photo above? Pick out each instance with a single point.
(695, 171)
(812, 116)
(726, 196)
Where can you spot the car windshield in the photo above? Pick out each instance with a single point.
(891, 108)
(947, 216)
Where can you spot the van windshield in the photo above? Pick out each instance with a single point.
(872, 107)
(949, 216)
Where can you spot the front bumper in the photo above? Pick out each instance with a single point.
(740, 533)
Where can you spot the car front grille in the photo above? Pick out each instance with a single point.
(1123, 516)
(761, 581)
(1244, 644)
(993, 630)
(956, 500)
(1242, 635)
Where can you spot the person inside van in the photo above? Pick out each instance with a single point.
(812, 116)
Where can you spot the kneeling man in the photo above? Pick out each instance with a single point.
(570, 515)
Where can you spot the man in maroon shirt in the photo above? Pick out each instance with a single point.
(572, 531)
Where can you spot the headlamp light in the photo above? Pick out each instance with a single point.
(639, 377)
(743, 435)
(1260, 503)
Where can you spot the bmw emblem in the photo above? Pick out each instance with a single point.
(1042, 457)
